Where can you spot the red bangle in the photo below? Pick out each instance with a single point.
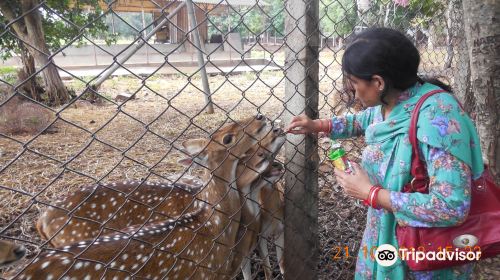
(373, 200)
(325, 127)
(366, 201)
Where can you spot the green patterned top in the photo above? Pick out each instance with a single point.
(448, 142)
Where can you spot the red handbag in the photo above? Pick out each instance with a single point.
(479, 232)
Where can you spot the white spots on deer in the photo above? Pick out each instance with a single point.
(45, 265)
(78, 265)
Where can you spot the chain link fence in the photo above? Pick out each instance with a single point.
(95, 107)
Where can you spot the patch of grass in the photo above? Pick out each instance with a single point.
(8, 74)
(5, 70)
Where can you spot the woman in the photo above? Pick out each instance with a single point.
(380, 68)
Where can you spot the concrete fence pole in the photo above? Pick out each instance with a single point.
(301, 252)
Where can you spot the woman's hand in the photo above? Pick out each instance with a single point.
(302, 124)
(356, 184)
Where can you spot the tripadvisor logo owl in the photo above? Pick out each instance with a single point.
(386, 255)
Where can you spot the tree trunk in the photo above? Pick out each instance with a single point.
(29, 85)
(54, 86)
(461, 68)
(29, 30)
(449, 44)
(362, 7)
(482, 31)
(387, 13)
(431, 39)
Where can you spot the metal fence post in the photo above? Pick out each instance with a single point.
(301, 92)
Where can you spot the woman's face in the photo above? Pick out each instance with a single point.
(368, 92)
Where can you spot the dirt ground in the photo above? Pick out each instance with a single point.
(138, 139)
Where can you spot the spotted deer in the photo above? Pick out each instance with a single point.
(104, 209)
(198, 244)
(272, 224)
(255, 218)
(10, 252)
(107, 208)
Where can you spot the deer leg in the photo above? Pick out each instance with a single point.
(280, 243)
(264, 253)
(246, 269)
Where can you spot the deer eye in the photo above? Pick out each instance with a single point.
(227, 139)
(260, 154)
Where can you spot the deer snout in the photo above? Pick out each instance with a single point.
(277, 130)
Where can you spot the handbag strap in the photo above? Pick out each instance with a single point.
(418, 168)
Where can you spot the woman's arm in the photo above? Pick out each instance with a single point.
(347, 126)
(446, 204)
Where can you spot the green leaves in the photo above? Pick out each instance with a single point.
(62, 21)
(337, 17)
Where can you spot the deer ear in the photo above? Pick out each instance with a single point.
(195, 149)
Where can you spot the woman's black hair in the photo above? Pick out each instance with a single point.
(388, 53)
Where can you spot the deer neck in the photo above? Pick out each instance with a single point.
(220, 190)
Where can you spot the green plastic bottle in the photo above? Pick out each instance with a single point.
(338, 157)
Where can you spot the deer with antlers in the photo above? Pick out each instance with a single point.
(10, 252)
(198, 244)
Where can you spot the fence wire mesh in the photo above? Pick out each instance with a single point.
(98, 98)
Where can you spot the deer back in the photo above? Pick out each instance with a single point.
(103, 209)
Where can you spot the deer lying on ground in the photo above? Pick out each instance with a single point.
(180, 198)
(198, 244)
(10, 252)
(107, 208)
